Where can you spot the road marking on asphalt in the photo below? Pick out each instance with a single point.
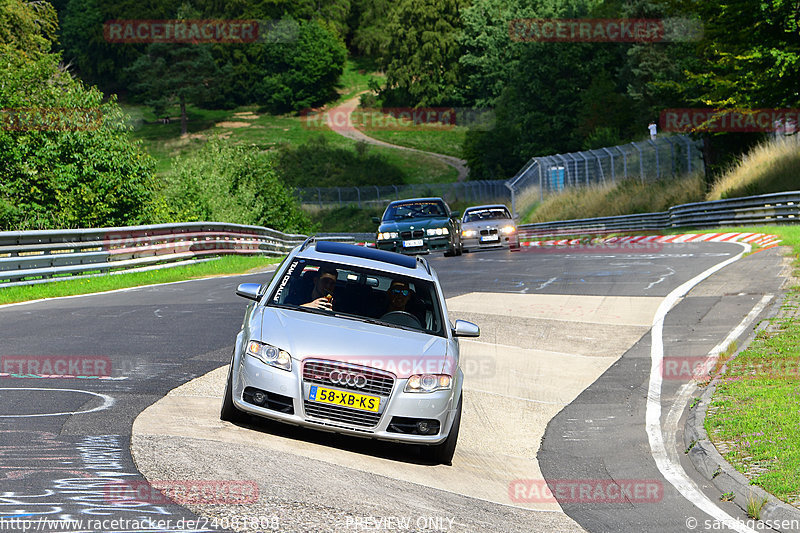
(672, 470)
(108, 401)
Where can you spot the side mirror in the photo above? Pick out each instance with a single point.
(249, 291)
(376, 220)
(454, 214)
(466, 329)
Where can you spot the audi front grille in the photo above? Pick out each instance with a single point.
(377, 383)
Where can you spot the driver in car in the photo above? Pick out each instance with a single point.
(401, 299)
(322, 291)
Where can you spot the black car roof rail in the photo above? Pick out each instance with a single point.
(308, 241)
(424, 263)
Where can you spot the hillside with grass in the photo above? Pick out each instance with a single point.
(771, 166)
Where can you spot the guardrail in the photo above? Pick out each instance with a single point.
(775, 208)
(28, 257)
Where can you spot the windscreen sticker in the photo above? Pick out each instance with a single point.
(284, 281)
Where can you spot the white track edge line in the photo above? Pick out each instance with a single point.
(673, 472)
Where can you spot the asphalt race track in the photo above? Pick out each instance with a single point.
(558, 392)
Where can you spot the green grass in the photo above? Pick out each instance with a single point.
(222, 266)
(164, 142)
(622, 198)
(439, 139)
(769, 167)
(356, 76)
(755, 410)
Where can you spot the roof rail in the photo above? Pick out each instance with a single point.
(308, 241)
(424, 263)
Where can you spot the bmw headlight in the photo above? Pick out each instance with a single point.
(428, 382)
(469, 233)
(385, 236)
(437, 231)
(508, 229)
(270, 355)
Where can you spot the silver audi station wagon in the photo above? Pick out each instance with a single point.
(353, 340)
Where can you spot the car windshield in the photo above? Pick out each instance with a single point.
(360, 294)
(487, 214)
(414, 210)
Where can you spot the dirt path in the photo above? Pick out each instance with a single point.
(338, 120)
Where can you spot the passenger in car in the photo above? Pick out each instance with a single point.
(401, 298)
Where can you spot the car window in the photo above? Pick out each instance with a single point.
(361, 294)
(487, 214)
(414, 210)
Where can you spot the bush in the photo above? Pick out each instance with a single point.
(59, 170)
(317, 164)
(228, 183)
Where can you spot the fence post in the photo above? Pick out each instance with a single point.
(624, 162)
(319, 197)
(358, 192)
(641, 161)
(688, 153)
(396, 192)
(671, 155)
(613, 171)
(378, 193)
(339, 189)
(658, 169)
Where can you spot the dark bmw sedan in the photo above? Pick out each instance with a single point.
(419, 225)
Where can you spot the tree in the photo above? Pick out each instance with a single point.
(299, 73)
(421, 59)
(369, 34)
(65, 156)
(186, 73)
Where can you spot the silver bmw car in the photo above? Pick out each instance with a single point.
(487, 226)
(353, 340)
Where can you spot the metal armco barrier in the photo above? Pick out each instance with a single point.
(28, 257)
(775, 208)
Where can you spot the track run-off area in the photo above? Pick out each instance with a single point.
(574, 400)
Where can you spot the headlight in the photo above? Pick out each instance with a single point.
(270, 355)
(437, 231)
(468, 233)
(387, 235)
(508, 229)
(428, 382)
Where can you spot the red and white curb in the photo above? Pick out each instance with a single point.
(759, 239)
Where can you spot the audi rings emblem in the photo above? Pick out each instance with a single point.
(345, 378)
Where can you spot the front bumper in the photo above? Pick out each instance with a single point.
(429, 244)
(289, 389)
(506, 241)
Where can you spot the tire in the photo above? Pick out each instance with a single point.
(229, 412)
(443, 453)
(460, 249)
